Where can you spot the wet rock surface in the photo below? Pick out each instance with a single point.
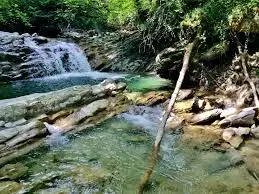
(25, 56)
(66, 109)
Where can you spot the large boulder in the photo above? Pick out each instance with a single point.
(185, 94)
(235, 136)
(244, 119)
(207, 117)
(51, 102)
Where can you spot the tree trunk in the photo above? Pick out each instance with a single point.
(251, 83)
(154, 155)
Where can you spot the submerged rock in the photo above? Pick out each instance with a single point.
(230, 159)
(13, 171)
(149, 98)
(10, 187)
(250, 151)
(84, 174)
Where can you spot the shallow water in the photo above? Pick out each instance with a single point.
(121, 146)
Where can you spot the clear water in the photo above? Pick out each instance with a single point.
(51, 83)
(121, 146)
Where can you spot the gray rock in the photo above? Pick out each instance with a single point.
(37, 104)
(174, 123)
(242, 131)
(25, 136)
(2, 123)
(121, 86)
(227, 112)
(243, 119)
(7, 134)
(16, 123)
(82, 114)
(228, 134)
(206, 117)
(255, 132)
(185, 94)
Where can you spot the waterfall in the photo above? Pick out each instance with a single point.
(58, 57)
(32, 56)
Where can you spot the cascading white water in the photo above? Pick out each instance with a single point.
(57, 57)
(31, 56)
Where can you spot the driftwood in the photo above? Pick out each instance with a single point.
(154, 155)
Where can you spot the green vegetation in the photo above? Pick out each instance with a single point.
(157, 22)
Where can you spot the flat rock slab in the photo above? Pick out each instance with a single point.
(32, 105)
(242, 119)
(206, 117)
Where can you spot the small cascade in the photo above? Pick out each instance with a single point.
(57, 57)
(31, 56)
(148, 118)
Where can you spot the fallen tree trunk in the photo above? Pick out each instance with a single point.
(154, 155)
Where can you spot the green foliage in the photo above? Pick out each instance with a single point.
(159, 23)
(121, 12)
(11, 15)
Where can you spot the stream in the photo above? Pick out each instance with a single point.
(111, 157)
